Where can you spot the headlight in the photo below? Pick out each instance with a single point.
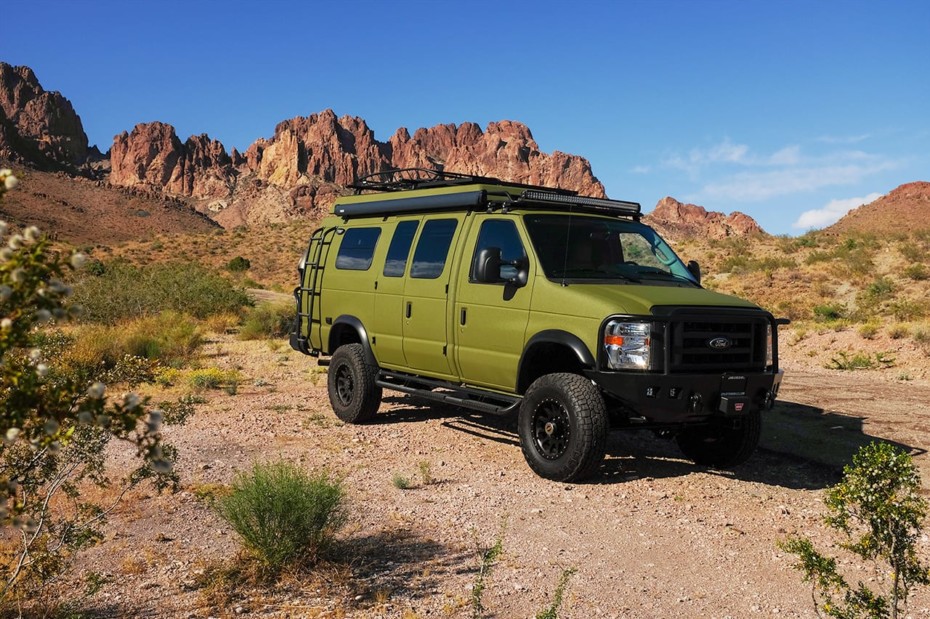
(628, 345)
(769, 351)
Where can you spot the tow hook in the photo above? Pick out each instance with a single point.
(696, 403)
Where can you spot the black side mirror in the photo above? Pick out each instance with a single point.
(695, 269)
(488, 266)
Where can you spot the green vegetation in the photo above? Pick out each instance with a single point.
(829, 312)
(487, 560)
(238, 264)
(56, 426)
(124, 291)
(878, 511)
(860, 361)
(552, 611)
(401, 482)
(267, 320)
(283, 514)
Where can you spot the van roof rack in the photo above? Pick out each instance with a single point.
(403, 179)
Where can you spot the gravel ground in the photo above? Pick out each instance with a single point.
(651, 536)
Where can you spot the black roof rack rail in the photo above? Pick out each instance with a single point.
(403, 179)
(600, 205)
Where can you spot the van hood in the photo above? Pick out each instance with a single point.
(601, 300)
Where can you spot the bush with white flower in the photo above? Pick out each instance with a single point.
(879, 512)
(54, 425)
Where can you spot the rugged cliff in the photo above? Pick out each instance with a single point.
(37, 126)
(300, 170)
(676, 220)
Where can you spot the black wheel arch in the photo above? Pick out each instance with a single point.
(551, 351)
(349, 329)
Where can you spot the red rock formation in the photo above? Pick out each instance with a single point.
(505, 150)
(676, 220)
(152, 157)
(38, 126)
(300, 170)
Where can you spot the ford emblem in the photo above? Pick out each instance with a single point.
(719, 343)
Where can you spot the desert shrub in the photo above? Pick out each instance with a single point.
(56, 428)
(880, 288)
(168, 338)
(818, 256)
(284, 514)
(221, 323)
(212, 378)
(907, 309)
(126, 291)
(917, 272)
(860, 361)
(267, 320)
(878, 512)
(238, 264)
(401, 481)
(913, 251)
(829, 311)
(869, 329)
(897, 331)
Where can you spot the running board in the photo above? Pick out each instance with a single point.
(492, 403)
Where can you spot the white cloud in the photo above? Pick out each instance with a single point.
(758, 186)
(831, 212)
(844, 139)
(641, 169)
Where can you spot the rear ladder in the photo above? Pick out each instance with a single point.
(310, 289)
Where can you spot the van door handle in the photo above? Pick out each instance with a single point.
(409, 307)
(463, 316)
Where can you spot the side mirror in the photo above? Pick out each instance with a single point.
(488, 266)
(695, 269)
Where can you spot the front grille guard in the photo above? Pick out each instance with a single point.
(670, 353)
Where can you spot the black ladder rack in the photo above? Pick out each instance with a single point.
(312, 286)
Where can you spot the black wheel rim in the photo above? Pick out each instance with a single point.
(551, 429)
(345, 386)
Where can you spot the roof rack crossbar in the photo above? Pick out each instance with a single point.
(403, 179)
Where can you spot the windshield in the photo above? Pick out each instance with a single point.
(581, 247)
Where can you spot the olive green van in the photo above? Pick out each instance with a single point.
(506, 298)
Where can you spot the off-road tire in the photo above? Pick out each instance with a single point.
(563, 426)
(722, 445)
(351, 384)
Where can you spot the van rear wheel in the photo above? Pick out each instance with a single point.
(563, 427)
(351, 384)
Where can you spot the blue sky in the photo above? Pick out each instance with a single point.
(791, 112)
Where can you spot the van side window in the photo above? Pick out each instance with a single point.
(357, 249)
(429, 259)
(396, 262)
(500, 233)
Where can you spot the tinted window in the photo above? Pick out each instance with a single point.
(396, 261)
(429, 259)
(500, 233)
(357, 249)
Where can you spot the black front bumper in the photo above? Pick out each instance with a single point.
(683, 398)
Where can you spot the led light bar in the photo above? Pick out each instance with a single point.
(614, 206)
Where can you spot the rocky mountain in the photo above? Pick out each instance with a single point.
(676, 221)
(308, 162)
(904, 209)
(295, 174)
(38, 126)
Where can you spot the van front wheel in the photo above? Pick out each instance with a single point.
(351, 383)
(563, 427)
